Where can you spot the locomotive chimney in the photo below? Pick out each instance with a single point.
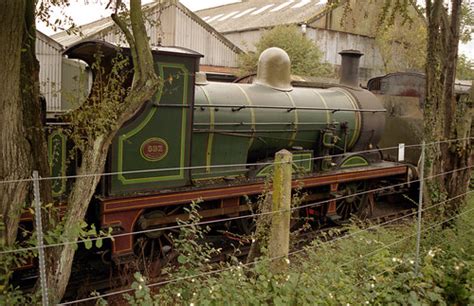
(350, 67)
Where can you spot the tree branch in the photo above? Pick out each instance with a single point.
(144, 56)
(130, 39)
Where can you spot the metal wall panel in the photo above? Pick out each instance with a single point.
(190, 34)
(181, 30)
(157, 35)
(332, 42)
(329, 42)
(49, 56)
(245, 40)
(162, 32)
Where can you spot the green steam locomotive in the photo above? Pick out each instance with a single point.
(215, 142)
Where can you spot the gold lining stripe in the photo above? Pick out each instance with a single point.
(210, 138)
(293, 137)
(252, 114)
(328, 114)
(358, 115)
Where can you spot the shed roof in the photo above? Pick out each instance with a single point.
(48, 40)
(90, 30)
(67, 38)
(255, 14)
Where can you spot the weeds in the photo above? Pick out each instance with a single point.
(368, 267)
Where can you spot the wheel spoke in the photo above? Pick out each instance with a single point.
(170, 213)
(152, 248)
(161, 248)
(168, 238)
(353, 201)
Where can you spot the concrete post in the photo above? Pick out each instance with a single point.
(280, 227)
(39, 234)
(420, 208)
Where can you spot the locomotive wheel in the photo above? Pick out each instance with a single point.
(246, 226)
(352, 202)
(155, 248)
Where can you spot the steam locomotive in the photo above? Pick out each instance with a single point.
(215, 142)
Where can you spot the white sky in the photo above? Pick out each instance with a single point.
(85, 11)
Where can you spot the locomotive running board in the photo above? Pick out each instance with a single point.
(124, 213)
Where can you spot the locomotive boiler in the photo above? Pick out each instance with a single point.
(250, 122)
(215, 142)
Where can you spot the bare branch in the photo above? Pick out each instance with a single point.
(130, 39)
(145, 58)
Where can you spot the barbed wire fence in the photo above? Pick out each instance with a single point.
(41, 245)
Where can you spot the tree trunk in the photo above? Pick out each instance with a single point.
(21, 119)
(444, 117)
(15, 148)
(94, 153)
(457, 155)
(33, 112)
(59, 259)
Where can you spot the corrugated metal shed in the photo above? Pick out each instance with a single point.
(256, 14)
(244, 23)
(179, 27)
(329, 42)
(49, 56)
(191, 32)
(332, 42)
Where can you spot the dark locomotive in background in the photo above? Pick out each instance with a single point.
(198, 140)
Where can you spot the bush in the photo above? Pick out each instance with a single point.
(306, 58)
(365, 267)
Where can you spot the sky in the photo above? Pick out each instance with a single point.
(85, 11)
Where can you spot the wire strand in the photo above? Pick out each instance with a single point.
(399, 264)
(226, 219)
(255, 262)
(406, 238)
(222, 166)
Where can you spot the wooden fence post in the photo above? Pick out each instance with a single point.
(280, 228)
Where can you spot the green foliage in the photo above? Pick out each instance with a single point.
(98, 115)
(86, 234)
(141, 293)
(467, 22)
(9, 261)
(366, 267)
(25, 251)
(14, 296)
(306, 58)
(194, 258)
(402, 44)
(369, 16)
(44, 15)
(398, 26)
(465, 68)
